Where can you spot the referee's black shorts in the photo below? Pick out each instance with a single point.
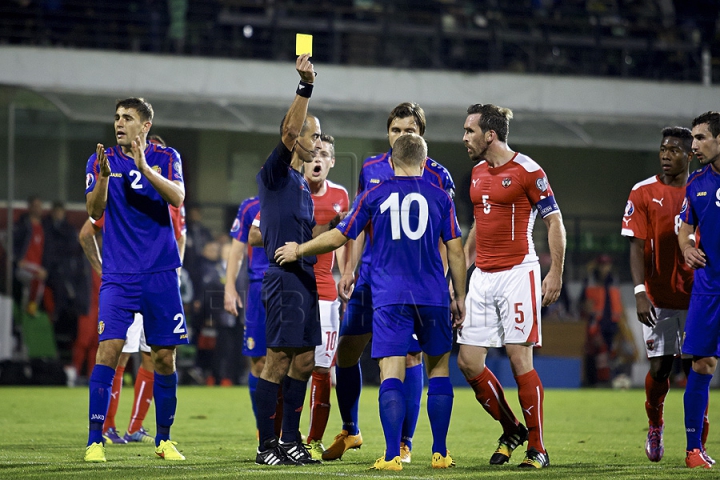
(291, 307)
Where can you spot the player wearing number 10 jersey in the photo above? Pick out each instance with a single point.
(409, 216)
(504, 299)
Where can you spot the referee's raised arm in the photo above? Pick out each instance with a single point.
(295, 117)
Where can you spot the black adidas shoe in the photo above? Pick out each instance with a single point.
(508, 443)
(535, 459)
(298, 452)
(273, 455)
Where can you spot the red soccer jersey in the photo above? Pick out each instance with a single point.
(505, 199)
(327, 206)
(34, 252)
(652, 214)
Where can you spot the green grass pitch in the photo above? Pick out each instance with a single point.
(588, 433)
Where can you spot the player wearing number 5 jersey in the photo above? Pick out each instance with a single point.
(503, 305)
(409, 216)
(662, 279)
(132, 184)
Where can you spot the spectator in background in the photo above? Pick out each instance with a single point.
(216, 326)
(67, 279)
(28, 248)
(197, 236)
(178, 24)
(602, 307)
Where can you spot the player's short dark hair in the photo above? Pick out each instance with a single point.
(682, 133)
(32, 198)
(493, 118)
(712, 119)
(58, 204)
(407, 109)
(410, 150)
(143, 107)
(157, 139)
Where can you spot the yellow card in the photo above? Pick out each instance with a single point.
(303, 44)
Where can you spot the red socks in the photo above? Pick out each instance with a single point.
(655, 393)
(143, 397)
(531, 395)
(114, 398)
(491, 396)
(319, 405)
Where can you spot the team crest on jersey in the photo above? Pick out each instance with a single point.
(336, 207)
(251, 343)
(433, 164)
(650, 344)
(101, 327)
(157, 168)
(629, 208)
(542, 184)
(684, 206)
(89, 180)
(235, 226)
(506, 182)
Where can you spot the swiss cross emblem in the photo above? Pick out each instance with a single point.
(506, 182)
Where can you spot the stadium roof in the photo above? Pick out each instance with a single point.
(252, 96)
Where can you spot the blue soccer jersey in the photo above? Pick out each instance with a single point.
(378, 169)
(285, 203)
(257, 260)
(138, 235)
(701, 209)
(409, 216)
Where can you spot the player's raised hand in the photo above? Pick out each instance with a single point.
(551, 286)
(287, 253)
(103, 160)
(304, 67)
(137, 147)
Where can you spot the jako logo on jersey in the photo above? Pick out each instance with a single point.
(629, 208)
(701, 194)
(250, 343)
(684, 206)
(235, 226)
(101, 327)
(506, 182)
(541, 184)
(89, 180)
(374, 180)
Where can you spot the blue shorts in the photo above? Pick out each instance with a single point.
(291, 307)
(702, 326)
(155, 295)
(358, 319)
(254, 331)
(359, 310)
(394, 325)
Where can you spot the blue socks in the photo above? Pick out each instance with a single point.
(348, 388)
(697, 394)
(165, 396)
(439, 407)
(266, 400)
(252, 385)
(293, 397)
(413, 393)
(100, 387)
(392, 413)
